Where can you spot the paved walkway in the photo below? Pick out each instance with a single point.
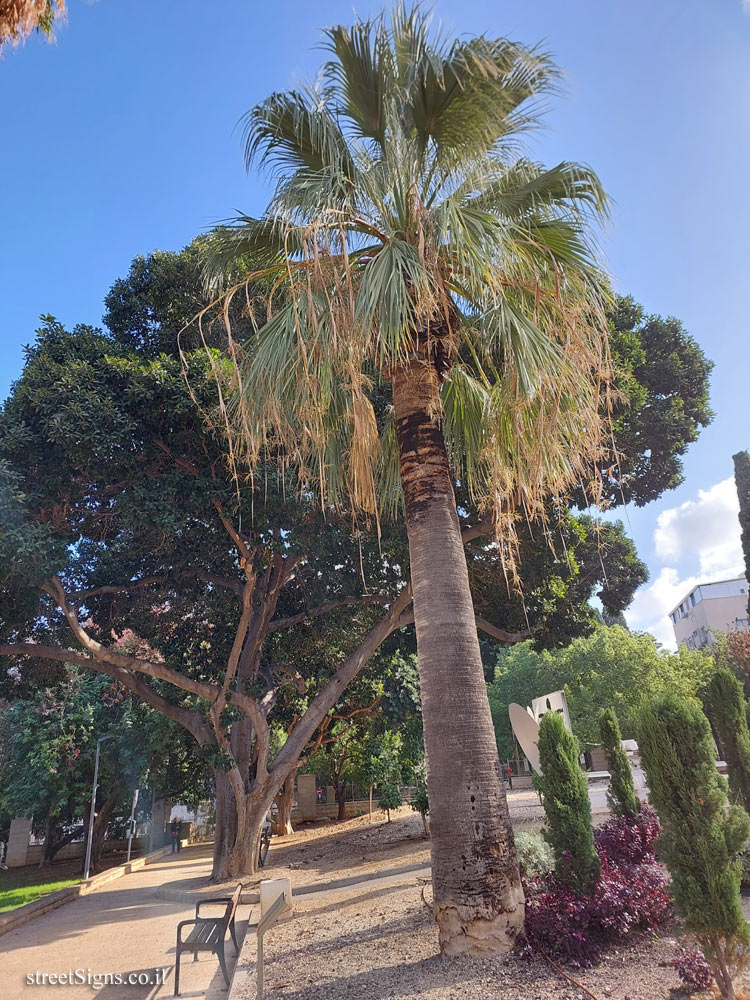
(124, 927)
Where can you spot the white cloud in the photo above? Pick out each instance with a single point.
(700, 541)
(706, 529)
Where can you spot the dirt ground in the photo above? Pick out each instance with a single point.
(377, 940)
(326, 849)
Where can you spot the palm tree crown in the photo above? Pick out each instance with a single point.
(405, 221)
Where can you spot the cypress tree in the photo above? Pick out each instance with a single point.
(742, 482)
(566, 804)
(701, 838)
(621, 797)
(728, 711)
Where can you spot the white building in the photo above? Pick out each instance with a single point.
(719, 607)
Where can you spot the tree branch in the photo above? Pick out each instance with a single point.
(187, 718)
(500, 634)
(483, 527)
(134, 663)
(324, 701)
(322, 609)
(147, 581)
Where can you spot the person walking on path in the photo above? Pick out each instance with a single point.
(176, 830)
(510, 777)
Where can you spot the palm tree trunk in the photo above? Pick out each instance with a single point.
(478, 900)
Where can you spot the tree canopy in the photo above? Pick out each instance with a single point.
(611, 668)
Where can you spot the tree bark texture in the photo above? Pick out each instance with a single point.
(239, 826)
(478, 899)
(101, 821)
(285, 802)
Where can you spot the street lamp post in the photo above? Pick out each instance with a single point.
(93, 807)
(131, 824)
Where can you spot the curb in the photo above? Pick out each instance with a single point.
(21, 915)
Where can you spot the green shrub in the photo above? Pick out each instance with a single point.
(727, 708)
(534, 855)
(390, 798)
(701, 838)
(565, 795)
(621, 797)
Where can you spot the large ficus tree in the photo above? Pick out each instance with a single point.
(410, 250)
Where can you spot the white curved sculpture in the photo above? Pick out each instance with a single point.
(526, 731)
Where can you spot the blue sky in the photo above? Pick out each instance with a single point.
(120, 139)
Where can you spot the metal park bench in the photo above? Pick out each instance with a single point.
(208, 934)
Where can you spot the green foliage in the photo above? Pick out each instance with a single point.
(701, 838)
(612, 667)
(664, 378)
(420, 802)
(390, 798)
(49, 743)
(742, 482)
(401, 172)
(559, 575)
(727, 710)
(565, 796)
(621, 796)
(535, 856)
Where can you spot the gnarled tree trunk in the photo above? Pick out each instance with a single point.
(238, 830)
(101, 821)
(478, 900)
(50, 837)
(339, 788)
(285, 803)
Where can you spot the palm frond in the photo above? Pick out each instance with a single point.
(405, 223)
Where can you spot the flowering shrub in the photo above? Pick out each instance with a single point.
(629, 840)
(693, 969)
(631, 896)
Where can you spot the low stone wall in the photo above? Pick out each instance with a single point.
(33, 852)
(76, 849)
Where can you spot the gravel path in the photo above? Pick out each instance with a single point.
(368, 943)
(378, 940)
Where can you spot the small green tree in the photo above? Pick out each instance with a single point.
(566, 804)
(419, 801)
(701, 839)
(727, 709)
(390, 798)
(621, 797)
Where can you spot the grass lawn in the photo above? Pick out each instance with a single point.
(13, 896)
(24, 885)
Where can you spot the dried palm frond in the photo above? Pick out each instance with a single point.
(18, 18)
(405, 221)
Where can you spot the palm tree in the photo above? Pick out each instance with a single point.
(18, 18)
(411, 249)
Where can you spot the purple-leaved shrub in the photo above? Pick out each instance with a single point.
(693, 969)
(629, 840)
(630, 897)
